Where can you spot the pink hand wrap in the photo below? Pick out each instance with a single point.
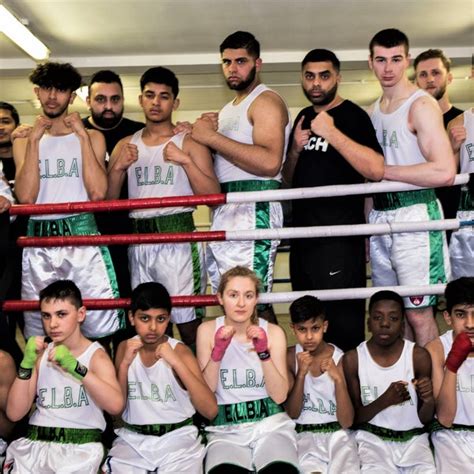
(260, 343)
(220, 345)
(459, 351)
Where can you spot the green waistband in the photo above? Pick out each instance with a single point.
(245, 412)
(182, 222)
(63, 435)
(250, 185)
(391, 435)
(319, 427)
(391, 201)
(157, 430)
(436, 426)
(82, 224)
(466, 201)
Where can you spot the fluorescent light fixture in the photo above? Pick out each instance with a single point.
(21, 35)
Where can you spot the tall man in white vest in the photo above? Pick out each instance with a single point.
(249, 137)
(409, 127)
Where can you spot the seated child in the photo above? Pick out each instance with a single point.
(388, 378)
(243, 361)
(452, 356)
(7, 369)
(319, 401)
(163, 385)
(73, 380)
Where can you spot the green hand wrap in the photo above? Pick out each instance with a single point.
(29, 359)
(30, 356)
(68, 362)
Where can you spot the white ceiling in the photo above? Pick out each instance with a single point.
(130, 36)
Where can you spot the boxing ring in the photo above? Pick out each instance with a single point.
(237, 235)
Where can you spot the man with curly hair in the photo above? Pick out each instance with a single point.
(61, 161)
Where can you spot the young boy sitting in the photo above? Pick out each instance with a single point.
(7, 369)
(388, 378)
(73, 380)
(452, 356)
(319, 401)
(162, 383)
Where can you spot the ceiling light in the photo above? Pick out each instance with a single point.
(22, 36)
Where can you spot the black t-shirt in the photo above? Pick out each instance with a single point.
(319, 164)
(451, 114)
(125, 128)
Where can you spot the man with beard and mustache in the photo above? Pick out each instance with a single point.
(432, 71)
(105, 102)
(249, 137)
(61, 161)
(333, 142)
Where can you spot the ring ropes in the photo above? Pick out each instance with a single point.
(237, 197)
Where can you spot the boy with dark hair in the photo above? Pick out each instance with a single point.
(60, 161)
(159, 163)
(452, 356)
(7, 369)
(318, 400)
(72, 380)
(163, 385)
(388, 378)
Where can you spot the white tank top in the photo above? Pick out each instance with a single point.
(154, 394)
(150, 176)
(400, 146)
(240, 374)
(61, 178)
(464, 385)
(467, 148)
(62, 400)
(319, 398)
(234, 124)
(374, 381)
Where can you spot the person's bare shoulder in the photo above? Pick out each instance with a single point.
(459, 120)
(6, 361)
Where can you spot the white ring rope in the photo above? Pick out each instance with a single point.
(330, 191)
(341, 230)
(350, 293)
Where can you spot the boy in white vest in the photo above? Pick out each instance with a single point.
(60, 161)
(72, 380)
(452, 355)
(389, 382)
(161, 163)
(163, 385)
(318, 400)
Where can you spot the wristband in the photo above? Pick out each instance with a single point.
(23, 373)
(66, 360)
(265, 355)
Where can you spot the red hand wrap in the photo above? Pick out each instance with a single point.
(460, 349)
(220, 345)
(260, 343)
